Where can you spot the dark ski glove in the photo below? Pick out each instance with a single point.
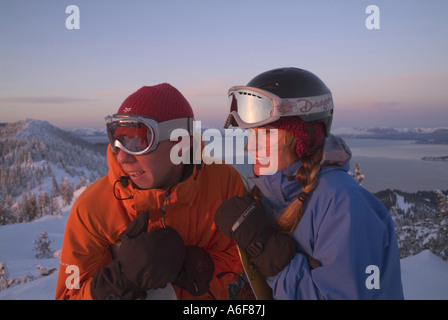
(146, 260)
(244, 220)
(197, 271)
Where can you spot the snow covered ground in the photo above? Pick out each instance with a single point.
(425, 276)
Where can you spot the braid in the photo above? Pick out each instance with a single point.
(307, 177)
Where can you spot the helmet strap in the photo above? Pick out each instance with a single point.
(313, 146)
(309, 128)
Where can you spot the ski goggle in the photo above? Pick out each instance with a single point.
(140, 135)
(253, 107)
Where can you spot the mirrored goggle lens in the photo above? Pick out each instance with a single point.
(251, 106)
(133, 136)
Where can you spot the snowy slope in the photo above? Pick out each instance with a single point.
(425, 276)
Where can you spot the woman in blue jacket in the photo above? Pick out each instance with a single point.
(307, 226)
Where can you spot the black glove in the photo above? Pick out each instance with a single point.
(244, 220)
(110, 284)
(146, 260)
(197, 271)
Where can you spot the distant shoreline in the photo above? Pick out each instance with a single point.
(438, 136)
(443, 158)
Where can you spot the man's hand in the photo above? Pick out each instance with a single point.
(197, 271)
(150, 259)
(146, 260)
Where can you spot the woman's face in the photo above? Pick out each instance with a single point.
(272, 149)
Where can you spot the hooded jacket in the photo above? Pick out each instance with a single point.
(344, 227)
(98, 218)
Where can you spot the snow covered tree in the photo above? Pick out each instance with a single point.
(83, 182)
(4, 276)
(66, 192)
(55, 209)
(42, 246)
(418, 221)
(6, 216)
(55, 186)
(357, 175)
(442, 203)
(43, 204)
(442, 222)
(29, 207)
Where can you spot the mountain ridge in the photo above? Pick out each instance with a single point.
(39, 162)
(420, 135)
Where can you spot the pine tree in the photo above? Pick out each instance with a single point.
(29, 207)
(6, 215)
(43, 204)
(442, 223)
(66, 192)
(357, 175)
(4, 276)
(55, 188)
(442, 203)
(42, 246)
(55, 209)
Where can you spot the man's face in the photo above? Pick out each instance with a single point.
(153, 170)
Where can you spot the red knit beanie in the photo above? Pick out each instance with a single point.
(297, 127)
(161, 102)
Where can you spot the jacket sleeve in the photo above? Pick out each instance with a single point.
(84, 251)
(348, 232)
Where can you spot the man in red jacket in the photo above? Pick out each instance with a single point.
(157, 216)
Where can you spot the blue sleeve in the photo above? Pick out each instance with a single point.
(347, 230)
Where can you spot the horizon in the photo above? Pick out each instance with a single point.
(74, 75)
(206, 126)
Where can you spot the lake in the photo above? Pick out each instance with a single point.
(398, 164)
(394, 164)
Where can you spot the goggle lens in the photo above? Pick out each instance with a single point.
(132, 135)
(252, 107)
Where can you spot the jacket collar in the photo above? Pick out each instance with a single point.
(137, 200)
(281, 189)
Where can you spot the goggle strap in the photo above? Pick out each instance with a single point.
(304, 106)
(299, 106)
(230, 121)
(166, 127)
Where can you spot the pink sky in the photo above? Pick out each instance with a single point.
(394, 76)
